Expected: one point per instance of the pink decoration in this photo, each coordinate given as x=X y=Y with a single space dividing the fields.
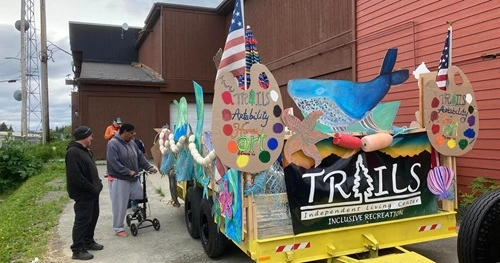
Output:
x=439 y=180
x=347 y=141
x=226 y=200
x=304 y=137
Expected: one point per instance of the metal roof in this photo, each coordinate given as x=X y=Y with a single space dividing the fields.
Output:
x=134 y=72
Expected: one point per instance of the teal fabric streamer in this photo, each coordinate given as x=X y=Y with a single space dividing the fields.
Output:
x=234 y=225
x=184 y=165
x=167 y=163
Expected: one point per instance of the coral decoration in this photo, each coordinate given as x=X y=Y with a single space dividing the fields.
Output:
x=226 y=200
x=304 y=137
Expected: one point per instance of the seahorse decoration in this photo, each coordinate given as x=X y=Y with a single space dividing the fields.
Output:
x=184 y=168
x=181 y=126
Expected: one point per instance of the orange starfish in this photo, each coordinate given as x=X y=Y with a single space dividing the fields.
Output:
x=304 y=137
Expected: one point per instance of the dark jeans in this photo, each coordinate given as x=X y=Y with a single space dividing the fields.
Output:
x=86 y=215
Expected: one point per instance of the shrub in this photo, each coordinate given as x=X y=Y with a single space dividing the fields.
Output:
x=53 y=151
x=17 y=164
x=478 y=186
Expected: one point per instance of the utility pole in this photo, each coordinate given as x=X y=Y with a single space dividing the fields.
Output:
x=24 y=91
x=45 y=88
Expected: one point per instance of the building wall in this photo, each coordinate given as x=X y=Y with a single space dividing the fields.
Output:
x=191 y=39
x=290 y=43
x=303 y=39
x=418 y=29
x=142 y=106
x=150 y=51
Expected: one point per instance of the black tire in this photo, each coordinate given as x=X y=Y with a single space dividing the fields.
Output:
x=156 y=224
x=213 y=241
x=141 y=214
x=479 y=234
x=139 y=217
x=128 y=219
x=192 y=211
x=134 y=229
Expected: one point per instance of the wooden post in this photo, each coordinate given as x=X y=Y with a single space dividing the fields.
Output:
x=449 y=161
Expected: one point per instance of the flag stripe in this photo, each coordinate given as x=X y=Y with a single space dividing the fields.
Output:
x=231 y=61
x=442 y=75
x=233 y=57
x=235 y=50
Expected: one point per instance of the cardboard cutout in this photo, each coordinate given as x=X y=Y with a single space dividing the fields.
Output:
x=345 y=102
x=247 y=130
x=450 y=116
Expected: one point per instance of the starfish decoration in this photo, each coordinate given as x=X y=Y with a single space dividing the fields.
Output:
x=304 y=137
x=226 y=200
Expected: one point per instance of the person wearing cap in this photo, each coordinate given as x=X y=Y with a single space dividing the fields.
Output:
x=112 y=129
x=124 y=161
x=83 y=186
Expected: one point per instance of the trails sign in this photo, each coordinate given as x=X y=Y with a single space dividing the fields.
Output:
x=363 y=188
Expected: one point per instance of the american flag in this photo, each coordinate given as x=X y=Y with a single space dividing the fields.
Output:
x=233 y=57
x=442 y=75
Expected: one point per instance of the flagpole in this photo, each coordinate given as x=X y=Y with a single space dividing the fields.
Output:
x=450 y=25
x=244 y=37
x=450 y=161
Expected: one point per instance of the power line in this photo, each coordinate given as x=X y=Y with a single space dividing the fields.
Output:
x=59 y=48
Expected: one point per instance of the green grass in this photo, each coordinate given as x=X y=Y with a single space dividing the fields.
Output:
x=160 y=191
x=28 y=215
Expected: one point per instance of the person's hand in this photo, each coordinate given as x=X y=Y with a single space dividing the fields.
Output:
x=133 y=173
x=153 y=170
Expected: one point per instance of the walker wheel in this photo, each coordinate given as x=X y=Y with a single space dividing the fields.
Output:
x=156 y=224
x=128 y=219
x=134 y=229
x=139 y=217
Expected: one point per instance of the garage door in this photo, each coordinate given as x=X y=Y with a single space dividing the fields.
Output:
x=192 y=118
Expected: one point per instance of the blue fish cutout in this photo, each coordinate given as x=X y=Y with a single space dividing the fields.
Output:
x=345 y=102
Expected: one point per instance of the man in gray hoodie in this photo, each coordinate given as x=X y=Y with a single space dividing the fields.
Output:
x=124 y=161
x=84 y=186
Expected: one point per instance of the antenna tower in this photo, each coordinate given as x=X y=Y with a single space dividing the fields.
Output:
x=33 y=105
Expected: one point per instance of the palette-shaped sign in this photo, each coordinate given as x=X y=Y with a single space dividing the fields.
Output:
x=450 y=116
x=247 y=130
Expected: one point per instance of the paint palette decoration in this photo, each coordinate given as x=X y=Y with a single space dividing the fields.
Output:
x=247 y=130
x=450 y=116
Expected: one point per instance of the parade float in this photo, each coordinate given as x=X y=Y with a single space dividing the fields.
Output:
x=336 y=181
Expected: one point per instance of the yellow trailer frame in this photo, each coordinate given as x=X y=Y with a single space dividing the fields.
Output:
x=374 y=242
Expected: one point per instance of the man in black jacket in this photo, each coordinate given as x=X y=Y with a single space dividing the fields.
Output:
x=84 y=186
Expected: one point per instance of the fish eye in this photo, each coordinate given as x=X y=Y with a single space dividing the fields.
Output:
x=320 y=91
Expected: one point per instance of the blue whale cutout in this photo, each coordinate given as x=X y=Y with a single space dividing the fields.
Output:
x=345 y=102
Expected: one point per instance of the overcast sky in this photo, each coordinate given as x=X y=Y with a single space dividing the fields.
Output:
x=58 y=14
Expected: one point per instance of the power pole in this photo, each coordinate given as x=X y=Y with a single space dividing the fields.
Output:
x=24 y=90
x=45 y=85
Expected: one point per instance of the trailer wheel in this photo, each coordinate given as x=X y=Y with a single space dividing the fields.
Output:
x=479 y=234
x=192 y=211
x=213 y=241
